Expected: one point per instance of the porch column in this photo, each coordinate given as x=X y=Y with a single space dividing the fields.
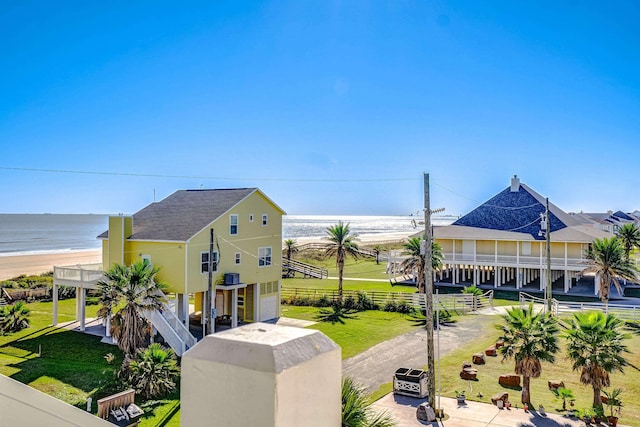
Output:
x=542 y=284
x=82 y=308
x=55 y=304
x=567 y=281
x=256 y=302
x=234 y=308
x=496 y=274
x=183 y=308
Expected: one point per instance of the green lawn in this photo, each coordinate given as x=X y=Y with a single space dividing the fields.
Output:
x=71 y=367
x=367 y=329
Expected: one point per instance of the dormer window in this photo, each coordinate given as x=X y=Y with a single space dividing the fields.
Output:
x=233 y=224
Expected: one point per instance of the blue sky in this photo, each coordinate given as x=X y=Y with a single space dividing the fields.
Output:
x=330 y=107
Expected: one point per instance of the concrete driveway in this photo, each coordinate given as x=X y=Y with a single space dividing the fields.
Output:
x=470 y=414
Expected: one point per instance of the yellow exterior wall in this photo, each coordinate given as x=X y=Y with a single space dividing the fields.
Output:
x=250 y=237
x=507 y=248
x=485 y=247
x=574 y=250
x=169 y=256
x=446 y=245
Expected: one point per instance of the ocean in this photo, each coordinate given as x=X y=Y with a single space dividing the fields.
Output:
x=51 y=233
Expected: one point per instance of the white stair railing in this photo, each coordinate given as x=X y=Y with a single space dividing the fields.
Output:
x=174 y=332
x=166 y=330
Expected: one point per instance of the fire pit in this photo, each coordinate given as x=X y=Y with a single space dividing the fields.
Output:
x=410 y=382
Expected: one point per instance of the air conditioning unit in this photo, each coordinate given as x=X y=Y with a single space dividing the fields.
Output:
x=231 y=278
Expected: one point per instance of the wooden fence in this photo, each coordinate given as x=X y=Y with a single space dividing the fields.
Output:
x=459 y=303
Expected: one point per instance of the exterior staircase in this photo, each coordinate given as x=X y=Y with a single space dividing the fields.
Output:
x=174 y=332
x=291 y=266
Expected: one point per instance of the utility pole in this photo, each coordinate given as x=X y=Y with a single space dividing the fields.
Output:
x=428 y=290
x=549 y=284
x=209 y=304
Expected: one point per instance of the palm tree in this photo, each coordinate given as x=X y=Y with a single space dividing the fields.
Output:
x=135 y=291
x=607 y=260
x=291 y=247
x=529 y=338
x=415 y=263
x=14 y=318
x=341 y=244
x=563 y=394
x=376 y=250
x=356 y=408
x=154 y=371
x=595 y=346
x=629 y=235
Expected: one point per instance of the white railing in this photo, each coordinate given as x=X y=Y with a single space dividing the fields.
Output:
x=622 y=311
x=524 y=260
x=88 y=275
x=167 y=331
x=174 y=332
x=464 y=303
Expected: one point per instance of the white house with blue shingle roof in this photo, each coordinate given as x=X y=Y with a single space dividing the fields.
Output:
x=500 y=243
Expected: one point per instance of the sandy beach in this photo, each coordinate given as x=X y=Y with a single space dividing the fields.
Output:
x=14 y=265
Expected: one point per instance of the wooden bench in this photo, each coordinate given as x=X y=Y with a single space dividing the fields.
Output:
x=118 y=400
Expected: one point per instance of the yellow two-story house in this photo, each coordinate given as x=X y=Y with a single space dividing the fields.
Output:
x=503 y=243
x=240 y=227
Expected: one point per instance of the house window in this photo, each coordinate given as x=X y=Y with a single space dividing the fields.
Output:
x=237 y=258
x=264 y=219
x=250 y=217
x=204 y=262
x=264 y=257
x=233 y=224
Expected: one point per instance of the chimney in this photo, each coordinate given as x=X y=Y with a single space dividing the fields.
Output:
x=515 y=184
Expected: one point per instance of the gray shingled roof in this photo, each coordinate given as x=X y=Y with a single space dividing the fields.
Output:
x=183 y=214
x=516 y=211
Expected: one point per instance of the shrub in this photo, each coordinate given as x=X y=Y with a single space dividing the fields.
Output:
x=365 y=303
x=349 y=303
x=14 y=318
x=153 y=373
x=323 y=301
x=473 y=289
x=391 y=306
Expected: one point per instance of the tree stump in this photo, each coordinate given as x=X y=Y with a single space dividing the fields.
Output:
x=499 y=344
x=491 y=351
x=469 y=374
x=555 y=384
x=509 y=380
x=478 y=359
x=466 y=365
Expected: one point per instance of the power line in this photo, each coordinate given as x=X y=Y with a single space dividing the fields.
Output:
x=221 y=178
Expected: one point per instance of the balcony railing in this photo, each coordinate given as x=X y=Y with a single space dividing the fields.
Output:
x=87 y=275
x=522 y=260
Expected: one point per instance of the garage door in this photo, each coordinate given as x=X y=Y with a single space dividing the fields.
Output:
x=268 y=307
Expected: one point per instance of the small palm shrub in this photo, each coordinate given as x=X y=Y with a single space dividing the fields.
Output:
x=14 y=318
x=349 y=303
x=365 y=303
x=323 y=301
x=153 y=373
x=356 y=408
x=336 y=314
x=473 y=290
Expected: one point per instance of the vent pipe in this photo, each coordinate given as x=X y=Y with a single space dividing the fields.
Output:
x=515 y=184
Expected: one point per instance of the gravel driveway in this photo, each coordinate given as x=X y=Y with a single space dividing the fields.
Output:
x=376 y=366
